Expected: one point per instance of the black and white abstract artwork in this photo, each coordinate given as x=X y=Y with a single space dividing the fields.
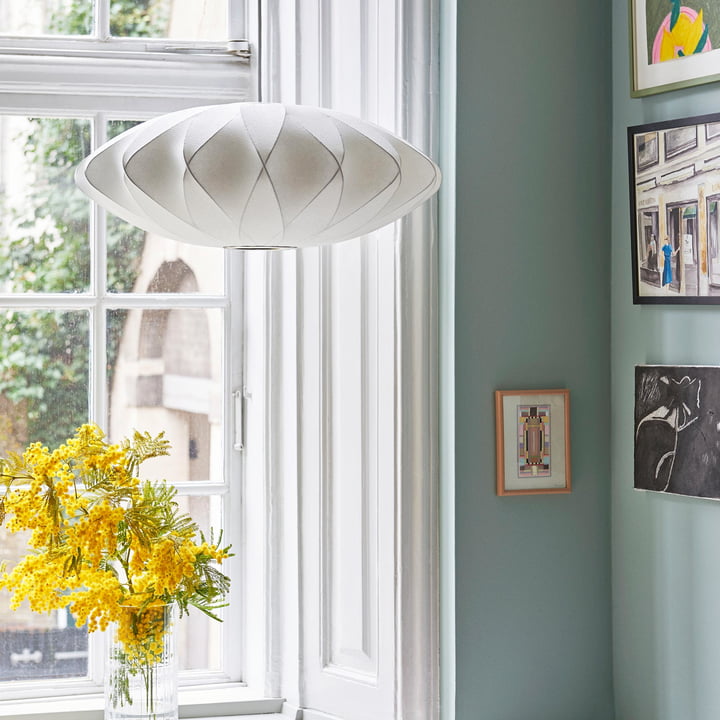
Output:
x=677 y=429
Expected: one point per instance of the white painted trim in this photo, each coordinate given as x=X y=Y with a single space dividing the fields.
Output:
x=217 y=703
x=418 y=391
x=447 y=155
x=256 y=555
x=208 y=79
x=316 y=715
x=296 y=38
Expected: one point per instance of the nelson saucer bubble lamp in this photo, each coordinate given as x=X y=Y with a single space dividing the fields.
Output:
x=252 y=175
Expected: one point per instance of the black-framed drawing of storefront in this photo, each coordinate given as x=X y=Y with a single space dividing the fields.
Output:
x=674 y=173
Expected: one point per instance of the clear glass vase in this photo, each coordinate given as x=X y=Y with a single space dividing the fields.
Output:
x=141 y=666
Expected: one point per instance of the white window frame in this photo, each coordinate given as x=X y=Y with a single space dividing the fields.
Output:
x=283 y=288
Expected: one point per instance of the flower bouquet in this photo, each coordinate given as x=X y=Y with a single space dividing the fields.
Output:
x=109 y=547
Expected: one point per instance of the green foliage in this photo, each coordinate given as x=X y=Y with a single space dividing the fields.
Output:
x=128 y=18
x=139 y=19
x=77 y=19
x=44 y=368
x=143 y=447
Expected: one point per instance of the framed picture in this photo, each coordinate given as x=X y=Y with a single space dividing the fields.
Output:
x=533 y=441
x=677 y=434
x=674 y=44
x=674 y=171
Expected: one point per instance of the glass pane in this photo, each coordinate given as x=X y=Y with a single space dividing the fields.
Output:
x=173 y=19
x=43 y=397
x=44 y=373
x=44 y=218
x=166 y=373
x=33 y=645
x=125 y=242
x=144 y=262
x=46 y=17
x=166 y=377
x=198 y=636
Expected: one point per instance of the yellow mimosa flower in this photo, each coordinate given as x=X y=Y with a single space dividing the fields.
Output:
x=102 y=543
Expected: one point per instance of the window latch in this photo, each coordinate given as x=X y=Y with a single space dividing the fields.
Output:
x=238 y=48
x=241 y=48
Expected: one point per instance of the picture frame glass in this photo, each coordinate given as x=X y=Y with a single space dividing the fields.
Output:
x=674 y=183
x=532 y=442
x=674 y=44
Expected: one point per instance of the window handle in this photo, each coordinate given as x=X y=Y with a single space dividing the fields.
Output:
x=239 y=419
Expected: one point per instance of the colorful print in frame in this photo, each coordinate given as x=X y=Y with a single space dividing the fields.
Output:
x=533 y=441
x=674 y=44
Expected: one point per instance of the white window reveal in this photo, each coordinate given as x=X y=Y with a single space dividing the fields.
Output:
x=353 y=397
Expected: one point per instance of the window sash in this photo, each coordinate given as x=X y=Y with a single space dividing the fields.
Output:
x=154 y=75
x=97 y=301
x=118 y=80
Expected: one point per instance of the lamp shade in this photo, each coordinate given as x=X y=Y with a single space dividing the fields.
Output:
x=258 y=175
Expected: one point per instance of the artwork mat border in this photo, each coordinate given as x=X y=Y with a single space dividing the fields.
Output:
x=698 y=121
x=506 y=438
x=653 y=78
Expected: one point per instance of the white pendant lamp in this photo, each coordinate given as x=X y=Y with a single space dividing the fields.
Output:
x=258 y=175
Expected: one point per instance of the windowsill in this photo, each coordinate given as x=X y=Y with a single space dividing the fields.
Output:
x=202 y=703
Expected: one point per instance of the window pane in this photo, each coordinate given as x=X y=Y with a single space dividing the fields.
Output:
x=45 y=219
x=198 y=636
x=46 y=17
x=173 y=19
x=125 y=242
x=44 y=373
x=167 y=266
x=33 y=645
x=144 y=262
x=141 y=262
x=43 y=397
x=167 y=377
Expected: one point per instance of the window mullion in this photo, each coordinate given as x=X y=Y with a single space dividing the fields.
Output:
x=98 y=355
x=102 y=19
x=237 y=16
x=98 y=289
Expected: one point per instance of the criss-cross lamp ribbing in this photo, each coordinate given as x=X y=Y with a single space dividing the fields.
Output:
x=258 y=175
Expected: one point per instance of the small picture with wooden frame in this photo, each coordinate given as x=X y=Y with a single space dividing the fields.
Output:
x=533 y=441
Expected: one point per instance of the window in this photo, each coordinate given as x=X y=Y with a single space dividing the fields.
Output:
x=99 y=320
x=103 y=321
x=331 y=360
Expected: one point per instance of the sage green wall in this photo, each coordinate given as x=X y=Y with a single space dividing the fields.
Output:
x=666 y=564
x=533 y=611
